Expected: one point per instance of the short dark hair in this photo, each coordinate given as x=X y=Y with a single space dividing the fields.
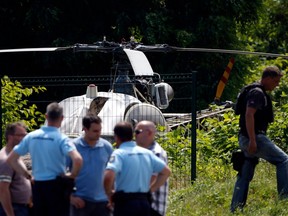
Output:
x=11 y=128
x=271 y=71
x=54 y=111
x=124 y=131
x=89 y=119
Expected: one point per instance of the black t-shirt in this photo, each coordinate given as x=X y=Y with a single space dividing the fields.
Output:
x=258 y=99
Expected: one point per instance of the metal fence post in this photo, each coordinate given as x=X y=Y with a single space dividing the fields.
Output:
x=193 y=128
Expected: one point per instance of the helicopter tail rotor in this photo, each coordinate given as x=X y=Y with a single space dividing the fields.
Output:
x=223 y=81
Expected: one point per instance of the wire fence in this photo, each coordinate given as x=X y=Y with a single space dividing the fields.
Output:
x=86 y=94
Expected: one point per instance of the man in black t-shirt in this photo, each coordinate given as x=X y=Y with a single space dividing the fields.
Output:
x=254 y=121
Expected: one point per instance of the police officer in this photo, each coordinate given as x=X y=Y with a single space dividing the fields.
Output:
x=131 y=168
x=48 y=149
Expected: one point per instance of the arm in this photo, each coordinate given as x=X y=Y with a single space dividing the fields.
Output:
x=249 y=116
x=109 y=178
x=153 y=179
x=5 y=198
x=161 y=179
x=20 y=168
x=77 y=162
x=77 y=202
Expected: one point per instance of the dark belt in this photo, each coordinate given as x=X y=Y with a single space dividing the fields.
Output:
x=256 y=132
x=21 y=204
x=121 y=196
x=260 y=132
x=18 y=204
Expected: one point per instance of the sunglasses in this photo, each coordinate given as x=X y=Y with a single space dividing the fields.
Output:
x=138 y=131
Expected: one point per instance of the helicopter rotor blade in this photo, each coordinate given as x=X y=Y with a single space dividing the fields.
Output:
x=155 y=48
x=99 y=47
x=230 y=52
x=167 y=48
x=107 y=47
x=95 y=48
x=44 y=49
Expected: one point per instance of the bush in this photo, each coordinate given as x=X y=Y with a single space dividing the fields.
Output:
x=15 y=106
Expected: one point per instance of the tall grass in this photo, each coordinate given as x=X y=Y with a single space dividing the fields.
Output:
x=207 y=196
x=212 y=190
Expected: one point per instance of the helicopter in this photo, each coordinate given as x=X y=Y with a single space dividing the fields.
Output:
x=141 y=96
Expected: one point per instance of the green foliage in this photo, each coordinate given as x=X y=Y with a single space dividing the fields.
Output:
x=15 y=106
x=207 y=196
x=185 y=23
x=211 y=193
x=278 y=130
x=269 y=31
x=218 y=136
x=177 y=144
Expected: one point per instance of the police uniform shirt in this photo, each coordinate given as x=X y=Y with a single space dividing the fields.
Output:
x=48 y=149
x=134 y=166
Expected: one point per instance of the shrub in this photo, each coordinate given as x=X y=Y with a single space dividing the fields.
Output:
x=15 y=106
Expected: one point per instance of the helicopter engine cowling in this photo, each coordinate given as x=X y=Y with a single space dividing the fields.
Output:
x=144 y=111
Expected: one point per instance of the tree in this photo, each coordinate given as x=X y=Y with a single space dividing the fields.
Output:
x=269 y=32
x=184 y=23
x=15 y=106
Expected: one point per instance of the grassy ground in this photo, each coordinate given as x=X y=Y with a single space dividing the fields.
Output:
x=212 y=195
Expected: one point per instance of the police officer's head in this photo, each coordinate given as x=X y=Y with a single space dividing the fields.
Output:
x=271 y=77
x=54 y=114
x=123 y=132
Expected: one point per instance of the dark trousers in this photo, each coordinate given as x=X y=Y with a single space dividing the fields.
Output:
x=91 y=209
x=131 y=204
x=19 y=210
x=154 y=213
x=49 y=199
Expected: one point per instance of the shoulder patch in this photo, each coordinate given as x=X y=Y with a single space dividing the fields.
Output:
x=112 y=159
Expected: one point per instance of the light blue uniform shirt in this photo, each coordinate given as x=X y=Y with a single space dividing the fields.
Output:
x=89 y=182
x=134 y=167
x=48 y=149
